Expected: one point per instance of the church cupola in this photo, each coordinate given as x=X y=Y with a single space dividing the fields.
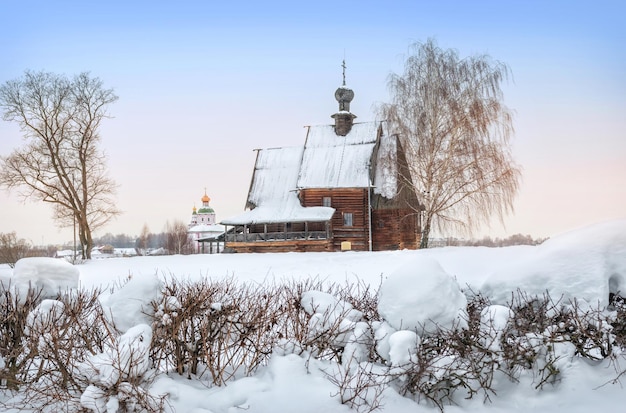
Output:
x=343 y=118
x=204 y=215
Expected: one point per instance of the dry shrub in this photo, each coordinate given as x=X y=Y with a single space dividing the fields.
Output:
x=215 y=327
x=14 y=350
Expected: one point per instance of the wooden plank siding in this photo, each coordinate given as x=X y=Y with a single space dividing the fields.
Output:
x=344 y=200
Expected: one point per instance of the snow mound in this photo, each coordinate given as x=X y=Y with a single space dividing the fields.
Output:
x=51 y=275
x=420 y=296
x=403 y=347
x=493 y=322
x=329 y=313
x=586 y=264
x=130 y=305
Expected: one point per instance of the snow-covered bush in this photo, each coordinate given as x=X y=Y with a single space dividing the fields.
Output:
x=65 y=350
x=445 y=367
x=117 y=374
x=217 y=328
x=332 y=322
x=410 y=299
x=544 y=335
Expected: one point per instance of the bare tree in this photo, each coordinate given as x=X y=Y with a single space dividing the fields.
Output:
x=144 y=240
x=61 y=162
x=455 y=129
x=177 y=237
x=12 y=248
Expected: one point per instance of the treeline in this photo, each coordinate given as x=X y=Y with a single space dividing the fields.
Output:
x=174 y=239
x=516 y=239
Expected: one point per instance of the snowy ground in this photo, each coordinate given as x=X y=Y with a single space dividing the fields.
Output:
x=585 y=264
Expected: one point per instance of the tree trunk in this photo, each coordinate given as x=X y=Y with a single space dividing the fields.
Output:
x=425 y=233
x=86 y=240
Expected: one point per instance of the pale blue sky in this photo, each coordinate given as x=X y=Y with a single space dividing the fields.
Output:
x=202 y=84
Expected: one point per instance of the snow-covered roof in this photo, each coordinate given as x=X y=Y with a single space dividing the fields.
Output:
x=273 y=191
x=202 y=228
x=332 y=161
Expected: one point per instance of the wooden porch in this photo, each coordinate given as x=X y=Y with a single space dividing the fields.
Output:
x=284 y=237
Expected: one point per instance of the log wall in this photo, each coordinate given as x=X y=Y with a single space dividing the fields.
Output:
x=344 y=200
x=394 y=229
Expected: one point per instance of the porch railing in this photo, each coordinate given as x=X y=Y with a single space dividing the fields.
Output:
x=276 y=236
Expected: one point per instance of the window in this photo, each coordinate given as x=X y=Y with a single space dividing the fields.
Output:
x=326 y=201
x=347 y=219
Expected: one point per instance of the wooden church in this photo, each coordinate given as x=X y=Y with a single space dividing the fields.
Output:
x=342 y=190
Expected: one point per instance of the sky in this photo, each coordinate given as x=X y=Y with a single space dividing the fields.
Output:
x=202 y=84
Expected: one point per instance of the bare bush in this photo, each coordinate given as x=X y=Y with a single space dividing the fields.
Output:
x=359 y=386
x=448 y=366
x=618 y=305
x=215 y=327
x=14 y=350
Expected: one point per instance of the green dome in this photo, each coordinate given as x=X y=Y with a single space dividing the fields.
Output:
x=206 y=211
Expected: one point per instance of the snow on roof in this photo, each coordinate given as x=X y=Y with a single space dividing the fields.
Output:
x=332 y=161
x=275 y=174
x=207 y=228
x=386 y=173
x=273 y=191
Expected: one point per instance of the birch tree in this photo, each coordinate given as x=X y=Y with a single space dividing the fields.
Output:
x=60 y=162
x=177 y=237
x=449 y=114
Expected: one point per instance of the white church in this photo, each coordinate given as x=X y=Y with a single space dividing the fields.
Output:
x=203 y=231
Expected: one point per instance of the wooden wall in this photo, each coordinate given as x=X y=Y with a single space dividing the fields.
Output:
x=394 y=229
x=351 y=200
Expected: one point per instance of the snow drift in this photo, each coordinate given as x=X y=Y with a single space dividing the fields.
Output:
x=585 y=264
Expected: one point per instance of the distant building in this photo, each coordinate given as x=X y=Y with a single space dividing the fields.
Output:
x=203 y=231
x=342 y=190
